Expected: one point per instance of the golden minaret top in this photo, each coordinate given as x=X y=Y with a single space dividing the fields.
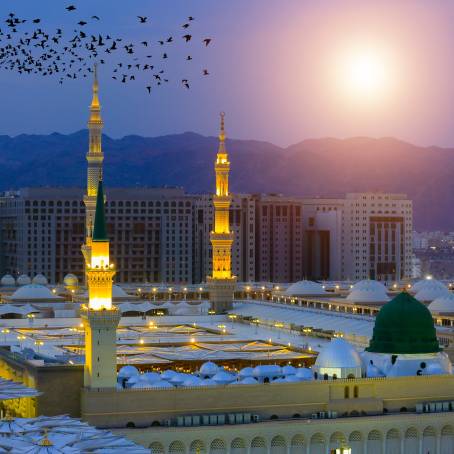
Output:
x=95 y=107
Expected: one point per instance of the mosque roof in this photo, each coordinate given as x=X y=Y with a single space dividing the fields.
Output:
x=404 y=325
x=430 y=290
x=23 y=279
x=33 y=292
x=443 y=304
x=40 y=279
x=303 y=288
x=60 y=434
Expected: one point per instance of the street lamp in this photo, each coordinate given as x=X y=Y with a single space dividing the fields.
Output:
x=21 y=338
x=200 y=294
x=5 y=331
x=154 y=293
x=39 y=344
x=170 y=293
x=248 y=289
x=185 y=290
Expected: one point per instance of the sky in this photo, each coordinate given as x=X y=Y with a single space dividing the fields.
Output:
x=282 y=70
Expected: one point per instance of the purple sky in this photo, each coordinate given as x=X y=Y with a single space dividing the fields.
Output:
x=273 y=70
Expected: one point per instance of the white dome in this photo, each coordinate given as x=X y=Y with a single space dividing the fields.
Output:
x=368 y=291
x=289 y=370
x=417 y=286
x=23 y=279
x=118 y=292
x=8 y=280
x=70 y=280
x=268 y=371
x=40 y=279
x=303 y=288
x=192 y=381
x=443 y=304
x=248 y=381
x=246 y=372
x=208 y=369
x=33 y=292
x=127 y=372
x=223 y=377
x=338 y=353
x=431 y=290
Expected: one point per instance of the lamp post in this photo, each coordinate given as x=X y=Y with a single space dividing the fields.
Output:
x=185 y=291
x=5 y=331
x=248 y=289
x=154 y=293
x=21 y=338
x=200 y=293
x=39 y=344
x=170 y=293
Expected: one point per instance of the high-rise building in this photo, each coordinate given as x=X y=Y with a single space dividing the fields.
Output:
x=150 y=230
x=363 y=236
x=221 y=282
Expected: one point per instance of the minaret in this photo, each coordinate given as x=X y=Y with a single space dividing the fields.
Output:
x=221 y=283
x=100 y=318
x=95 y=158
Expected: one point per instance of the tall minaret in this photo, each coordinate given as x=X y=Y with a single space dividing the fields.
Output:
x=95 y=158
x=100 y=318
x=221 y=283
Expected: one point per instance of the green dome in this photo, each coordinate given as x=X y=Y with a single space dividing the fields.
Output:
x=404 y=325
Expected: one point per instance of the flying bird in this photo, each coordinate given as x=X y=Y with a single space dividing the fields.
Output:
x=70 y=8
x=142 y=19
x=207 y=41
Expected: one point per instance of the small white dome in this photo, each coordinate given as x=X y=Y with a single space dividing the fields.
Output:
x=223 y=377
x=246 y=372
x=303 y=288
x=368 y=291
x=192 y=381
x=127 y=372
x=8 y=281
x=32 y=292
x=338 y=354
x=168 y=374
x=70 y=280
x=208 y=369
x=443 y=304
x=40 y=279
x=248 y=381
x=417 y=286
x=267 y=371
x=289 y=370
x=431 y=290
x=23 y=279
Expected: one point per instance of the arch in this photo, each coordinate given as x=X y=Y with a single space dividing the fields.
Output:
x=156 y=448
x=217 y=446
x=317 y=444
x=336 y=440
x=393 y=441
x=447 y=440
x=197 y=447
x=374 y=442
x=346 y=392
x=177 y=447
x=278 y=445
x=429 y=439
x=297 y=444
x=355 y=441
x=356 y=391
x=411 y=440
x=238 y=446
x=258 y=445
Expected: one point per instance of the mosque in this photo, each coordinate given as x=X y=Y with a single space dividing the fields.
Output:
x=396 y=395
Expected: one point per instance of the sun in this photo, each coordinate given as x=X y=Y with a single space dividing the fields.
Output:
x=365 y=75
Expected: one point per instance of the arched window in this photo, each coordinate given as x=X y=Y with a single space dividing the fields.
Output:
x=346 y=392
x=355 y=392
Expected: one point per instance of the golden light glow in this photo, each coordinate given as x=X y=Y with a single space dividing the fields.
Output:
x=98 y=304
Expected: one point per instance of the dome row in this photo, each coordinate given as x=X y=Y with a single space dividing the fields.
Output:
x=8 y=281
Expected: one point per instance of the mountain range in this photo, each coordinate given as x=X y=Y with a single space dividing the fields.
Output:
x=315 y=167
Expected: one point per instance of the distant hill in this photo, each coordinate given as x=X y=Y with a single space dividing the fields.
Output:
x=312 y=167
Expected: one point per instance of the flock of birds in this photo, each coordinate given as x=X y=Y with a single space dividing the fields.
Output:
x=33 y=50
